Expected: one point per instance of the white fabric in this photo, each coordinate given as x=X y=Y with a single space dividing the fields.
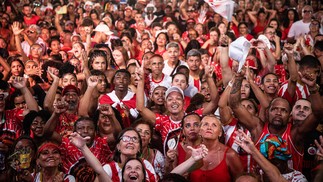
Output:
x=168 y=70
x=298 y=28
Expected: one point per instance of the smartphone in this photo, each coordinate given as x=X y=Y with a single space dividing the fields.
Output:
x=62 y=10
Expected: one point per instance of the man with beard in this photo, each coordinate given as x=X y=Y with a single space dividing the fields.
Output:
x=70 y=96
x=121 y=98
x=277 y=117
x=29 y=18
x=71 y=155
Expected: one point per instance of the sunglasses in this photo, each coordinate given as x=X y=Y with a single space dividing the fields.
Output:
x=30 y=31
x=307 y=11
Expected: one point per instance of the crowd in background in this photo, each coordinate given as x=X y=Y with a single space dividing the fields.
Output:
x=161 y=90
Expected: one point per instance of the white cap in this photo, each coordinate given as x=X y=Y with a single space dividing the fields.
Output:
x=152 y=6
x=238 y=51
x=103 y=28
x=174 y=89
x=88 y=3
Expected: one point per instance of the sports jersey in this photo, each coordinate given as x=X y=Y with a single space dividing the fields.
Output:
x=300 y=92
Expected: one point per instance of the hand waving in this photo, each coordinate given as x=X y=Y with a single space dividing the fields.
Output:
x=15 y=28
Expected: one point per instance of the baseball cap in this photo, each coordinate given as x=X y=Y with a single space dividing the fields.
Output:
x=70 y=88
x=103 y=28
x=174 y=89
x=69 y=22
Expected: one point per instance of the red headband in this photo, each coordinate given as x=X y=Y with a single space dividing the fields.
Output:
x=47 y=145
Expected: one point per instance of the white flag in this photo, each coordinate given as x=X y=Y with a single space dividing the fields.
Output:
x=222 y=7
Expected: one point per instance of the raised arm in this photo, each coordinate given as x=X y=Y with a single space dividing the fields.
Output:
x=252 y=16
x=292 y=68
x=225 y=110
x=16 y=33
x=146 y=113
x=211 y=106
x=50 y=126
x=182 y=10
x=252 y=123
x=20 y=83
x=93 y=162
x=87 y=100
x=270 y=170
x=224 y=62
x=50 y=96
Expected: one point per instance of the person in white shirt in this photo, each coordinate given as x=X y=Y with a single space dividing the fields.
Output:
x=302 y=26
x=173 y=59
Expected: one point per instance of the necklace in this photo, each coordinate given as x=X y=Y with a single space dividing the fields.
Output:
x=146 y=156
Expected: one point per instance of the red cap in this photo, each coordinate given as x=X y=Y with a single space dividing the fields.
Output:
x=70 y=88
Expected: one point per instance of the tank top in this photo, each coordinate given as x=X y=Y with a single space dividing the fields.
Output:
x=296 y=161
x=219 y=174
x=181 y=154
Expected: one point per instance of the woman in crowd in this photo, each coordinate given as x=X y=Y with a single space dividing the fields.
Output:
x=129 y=145
x=291 y=17
x=121 y=57
x=221 y=163
x=49 y=164
x=160 y=43
x=154 y=156
x=33 y=125
x=98 y=60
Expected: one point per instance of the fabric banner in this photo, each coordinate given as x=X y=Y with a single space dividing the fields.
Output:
x=222 y=7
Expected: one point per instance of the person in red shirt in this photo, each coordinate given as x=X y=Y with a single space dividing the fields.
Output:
x=29 y=18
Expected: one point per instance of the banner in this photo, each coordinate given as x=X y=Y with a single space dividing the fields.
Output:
x=223 y=7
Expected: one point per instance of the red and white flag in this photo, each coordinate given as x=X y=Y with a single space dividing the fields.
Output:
x=222 y=7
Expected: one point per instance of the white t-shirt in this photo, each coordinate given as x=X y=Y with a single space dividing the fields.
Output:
x=168 y=70
x=299 y=28
x=295 y=176
x=26 y=47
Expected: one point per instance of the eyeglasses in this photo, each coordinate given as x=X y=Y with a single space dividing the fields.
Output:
x=126 y=138
x=271 y=33
x=307 y=11
x=314 y=25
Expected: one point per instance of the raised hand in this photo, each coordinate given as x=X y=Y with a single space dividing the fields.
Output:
x=198 y=153
x=308 y=79
x=208 y=69
x=289 y=49
x=140 y=70
x=244 y=141
x=77 y=140
x=18 y=82
x=106 y=109
x=15 y=28
x=60 y=106
x=52 y=74
x=248 y=74
x=92 y=81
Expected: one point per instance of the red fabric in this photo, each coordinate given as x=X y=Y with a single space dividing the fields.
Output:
x=297 y=157
x=66 y=123
x=257 y=29
x=181 y=154
x=219 y=173
x=197 y=84
x=71 y=154
x=34 y=19
x=187 y=101
x=12 y=126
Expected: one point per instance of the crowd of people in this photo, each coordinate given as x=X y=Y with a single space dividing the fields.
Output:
x=161 y=90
